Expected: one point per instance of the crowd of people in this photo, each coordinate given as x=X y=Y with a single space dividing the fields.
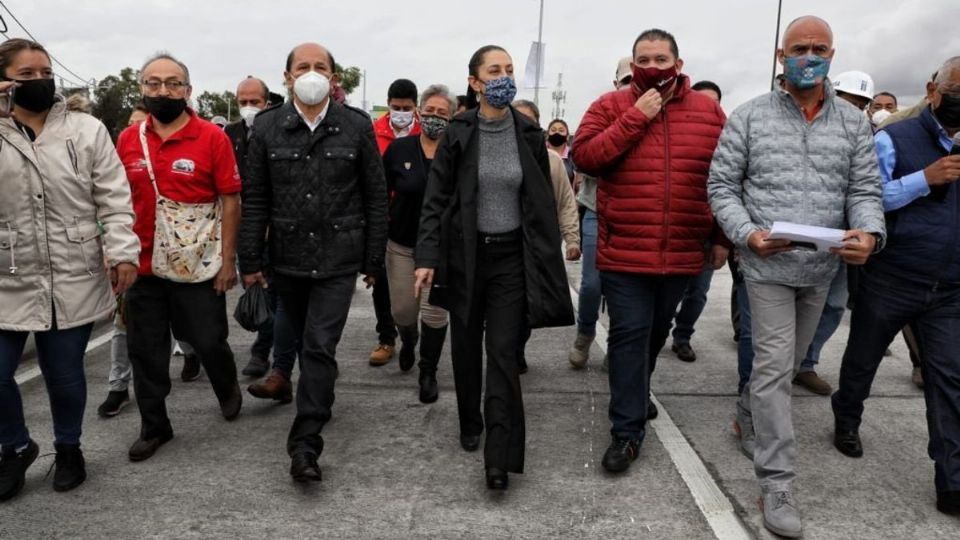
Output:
x=459 y=212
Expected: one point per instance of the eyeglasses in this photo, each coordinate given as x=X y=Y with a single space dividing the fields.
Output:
x=172 y=85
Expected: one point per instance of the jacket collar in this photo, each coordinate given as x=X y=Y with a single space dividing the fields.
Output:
x=466 y=123
x=330 y=123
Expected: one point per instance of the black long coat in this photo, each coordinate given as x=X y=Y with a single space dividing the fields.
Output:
x=447 y=241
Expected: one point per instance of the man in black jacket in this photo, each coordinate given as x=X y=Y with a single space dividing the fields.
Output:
x=314 y=176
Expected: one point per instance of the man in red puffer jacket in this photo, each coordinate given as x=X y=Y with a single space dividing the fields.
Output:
x=650 y=145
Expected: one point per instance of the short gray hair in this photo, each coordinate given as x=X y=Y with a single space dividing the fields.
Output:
x=441 y=90
x=527 y=104
x=943 y=75
x=164 y=55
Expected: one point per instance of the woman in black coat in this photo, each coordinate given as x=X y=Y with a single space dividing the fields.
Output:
x=489 y=250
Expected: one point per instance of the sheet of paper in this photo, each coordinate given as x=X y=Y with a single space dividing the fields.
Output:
x=820 y=238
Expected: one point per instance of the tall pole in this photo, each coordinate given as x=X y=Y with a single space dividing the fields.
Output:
x=365 y=90
x=536 y=85
x=776 y=42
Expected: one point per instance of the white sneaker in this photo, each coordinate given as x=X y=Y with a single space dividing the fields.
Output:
x=780 y=514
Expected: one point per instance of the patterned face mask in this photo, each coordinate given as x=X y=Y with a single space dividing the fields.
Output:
x=500 y=92
x=433 y=126
x=807 y=71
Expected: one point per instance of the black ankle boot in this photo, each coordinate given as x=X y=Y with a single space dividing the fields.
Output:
x=428 y=387
x=431 y=345
x=497 y=479
x=70 y=470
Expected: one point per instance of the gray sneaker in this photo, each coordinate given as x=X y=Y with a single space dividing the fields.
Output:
x=743 y=427
x=580 y=352
x=781 y=515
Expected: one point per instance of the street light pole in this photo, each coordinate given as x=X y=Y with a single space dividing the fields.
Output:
x=776 y=41
x=536 y=84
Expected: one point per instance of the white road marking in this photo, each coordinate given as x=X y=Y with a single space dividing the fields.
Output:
x=713 y=504
x=33 y=372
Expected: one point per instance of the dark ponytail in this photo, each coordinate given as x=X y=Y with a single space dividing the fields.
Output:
x=473 y=100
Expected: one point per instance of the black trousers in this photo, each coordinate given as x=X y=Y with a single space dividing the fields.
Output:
x=386 y=327
x=495 y=320
x=198 y=316
x=317 y=310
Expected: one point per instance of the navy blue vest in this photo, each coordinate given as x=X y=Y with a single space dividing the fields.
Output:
x=923 y=237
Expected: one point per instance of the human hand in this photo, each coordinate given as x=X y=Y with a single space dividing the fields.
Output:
x=718 y=256
x=649 y=103
x=424 y=281
x=226 y=278
x=122 y=277
x=943 y=171
x=857 y=247
x=759 y=244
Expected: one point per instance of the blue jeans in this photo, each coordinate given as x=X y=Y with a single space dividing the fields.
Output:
x=286 y=343
x=745 y=345
x=588 y=308
x=641 y=310
x=830 y=320
x=60 y=356
x=885 y=303
x=691 y=306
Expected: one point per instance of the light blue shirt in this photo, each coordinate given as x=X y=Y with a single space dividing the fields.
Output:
x=899 y=192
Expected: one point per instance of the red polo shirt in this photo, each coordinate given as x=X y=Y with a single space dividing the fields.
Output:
x=194 y=165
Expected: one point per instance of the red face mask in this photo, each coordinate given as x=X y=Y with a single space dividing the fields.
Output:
x=653 y=77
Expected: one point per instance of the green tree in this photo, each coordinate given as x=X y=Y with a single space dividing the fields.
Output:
x=115 y=97
x=223 y=104
x=349 y=77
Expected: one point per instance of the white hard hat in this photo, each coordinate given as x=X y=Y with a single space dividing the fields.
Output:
x=857 y=83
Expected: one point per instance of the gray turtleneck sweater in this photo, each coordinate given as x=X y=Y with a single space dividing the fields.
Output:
x=500 y=176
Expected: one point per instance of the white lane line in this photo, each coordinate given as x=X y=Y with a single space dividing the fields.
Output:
x=713 y=504
x=33 y=372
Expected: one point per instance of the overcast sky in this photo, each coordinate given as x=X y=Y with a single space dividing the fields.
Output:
x=899 y=42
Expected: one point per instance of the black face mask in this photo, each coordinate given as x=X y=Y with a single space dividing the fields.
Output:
x=165 y=109
x=557 y=139
x=35 y=95
x=948 y=113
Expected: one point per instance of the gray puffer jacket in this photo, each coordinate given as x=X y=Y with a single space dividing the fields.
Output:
x=771 y=165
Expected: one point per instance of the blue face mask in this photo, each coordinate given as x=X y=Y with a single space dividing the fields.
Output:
x=805 y=72
x=500 y=92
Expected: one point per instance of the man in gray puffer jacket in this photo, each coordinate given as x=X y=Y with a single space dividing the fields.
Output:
x=798 y=155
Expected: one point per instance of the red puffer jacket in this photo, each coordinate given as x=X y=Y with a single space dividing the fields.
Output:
x=652 y=207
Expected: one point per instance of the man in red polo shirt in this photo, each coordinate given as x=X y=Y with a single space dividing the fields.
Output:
x=193 y=162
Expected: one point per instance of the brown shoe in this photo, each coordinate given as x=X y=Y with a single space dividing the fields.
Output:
x=381 y=355
x=917 y=377
x=276 y=386
x=812 y=382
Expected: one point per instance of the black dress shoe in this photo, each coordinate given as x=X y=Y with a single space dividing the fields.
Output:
x=191 y=368
x=848 y=443
x=497 y=479
x=428 y=388
x=948 y=502
x=145 y=448
x=652 y=411
x=304 y=468
x=620 y=454
x=70 y=469
x=470 y=443
x=257 y=367
x=231 y=407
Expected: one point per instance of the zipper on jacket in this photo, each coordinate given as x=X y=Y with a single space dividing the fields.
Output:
x=12 y=239
x=72 y=150
x=666 y=209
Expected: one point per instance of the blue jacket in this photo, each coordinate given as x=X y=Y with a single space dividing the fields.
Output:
x=923 y=237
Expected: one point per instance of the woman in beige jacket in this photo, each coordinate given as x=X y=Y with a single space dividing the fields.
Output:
x=64 y=208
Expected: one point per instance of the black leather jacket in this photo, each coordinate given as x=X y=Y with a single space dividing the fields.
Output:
x=322 y=194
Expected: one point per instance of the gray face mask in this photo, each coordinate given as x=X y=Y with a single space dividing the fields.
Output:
x=433 y=126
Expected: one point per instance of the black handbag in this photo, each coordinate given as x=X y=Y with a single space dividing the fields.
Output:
x=253 y=309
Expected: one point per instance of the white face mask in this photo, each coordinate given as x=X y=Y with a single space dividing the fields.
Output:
x=247 y=113
x=311 y=88
x=880 y=116
x=401 y=119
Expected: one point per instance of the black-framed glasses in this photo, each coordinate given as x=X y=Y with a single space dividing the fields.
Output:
x=172 y=85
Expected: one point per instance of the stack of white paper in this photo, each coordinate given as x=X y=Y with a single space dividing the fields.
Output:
x=820 y=238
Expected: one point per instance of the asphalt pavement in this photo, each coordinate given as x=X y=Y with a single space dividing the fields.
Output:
x=393 y=468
